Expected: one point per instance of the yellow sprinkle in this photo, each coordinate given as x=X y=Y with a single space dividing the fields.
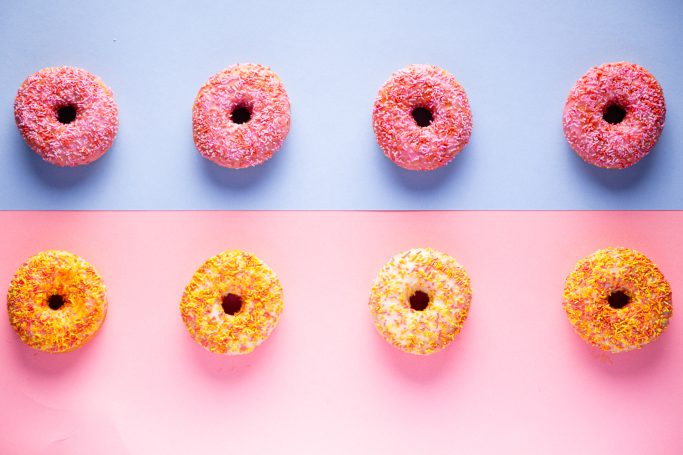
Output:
x=232 y=303
x=401 y=320
x=617 y=299
x=56 y=301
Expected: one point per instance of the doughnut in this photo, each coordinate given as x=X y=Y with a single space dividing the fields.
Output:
x=420 y=300
x=56 y=301
x=422 y=117
x=66 y=115
x=614 y=115
x=240 y=117
x=617 y=299
x=232 y=303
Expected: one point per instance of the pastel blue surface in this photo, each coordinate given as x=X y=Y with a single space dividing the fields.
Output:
x=516 y=59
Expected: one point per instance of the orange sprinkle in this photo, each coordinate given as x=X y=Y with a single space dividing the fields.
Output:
x=232 y=303
x=56 y=301
x=617 y=299
x=420 y=300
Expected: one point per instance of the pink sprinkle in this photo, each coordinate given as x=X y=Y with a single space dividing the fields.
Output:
x=240 y=117
x=66 y=115
x=422 y=117
x=614 y=115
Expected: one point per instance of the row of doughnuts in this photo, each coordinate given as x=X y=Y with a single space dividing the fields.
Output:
x=612 y=118
x=616 y=299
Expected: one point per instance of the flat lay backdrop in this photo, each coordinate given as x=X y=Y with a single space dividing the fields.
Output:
x=516 y=59
x=516 y=380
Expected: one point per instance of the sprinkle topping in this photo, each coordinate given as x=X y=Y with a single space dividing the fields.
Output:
x=66 y=115
x=232 y=303
x=422 y=117
x=240 y=117
x=420 y=300
x=56 y=301
x=617 y=299
x=614 y=115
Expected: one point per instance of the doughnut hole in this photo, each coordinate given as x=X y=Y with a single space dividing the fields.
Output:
x=240 y=114
x=66 y=114
x=614 y=114
x=419 y=301
x=55 y=301
x=231 y=303
x=423 y=116
x=618 y=299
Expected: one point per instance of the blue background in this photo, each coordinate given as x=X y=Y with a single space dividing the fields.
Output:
x=517 y=61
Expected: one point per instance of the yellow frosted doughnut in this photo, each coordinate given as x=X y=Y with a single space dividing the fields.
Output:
x=56 y=301
x=420 y=300
x=617 y=299
x=232 y=303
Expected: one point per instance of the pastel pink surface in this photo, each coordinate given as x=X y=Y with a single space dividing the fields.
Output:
x=516 y=380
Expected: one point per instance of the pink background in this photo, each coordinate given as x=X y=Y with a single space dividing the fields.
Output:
x=516 y=380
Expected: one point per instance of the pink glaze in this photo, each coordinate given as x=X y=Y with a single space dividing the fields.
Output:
x=86 y=137
x=238 y=145
x=405 y=142
x=614 y=145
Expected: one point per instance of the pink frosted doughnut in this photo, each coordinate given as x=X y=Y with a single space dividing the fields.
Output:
x=240 y=117
x=422 y=117
x=66 y=115
x=614 y=115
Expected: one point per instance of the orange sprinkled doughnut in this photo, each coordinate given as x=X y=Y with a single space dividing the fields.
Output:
x=617 y=299
x=233 y=303
x=56 y=301
x=420 y=300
